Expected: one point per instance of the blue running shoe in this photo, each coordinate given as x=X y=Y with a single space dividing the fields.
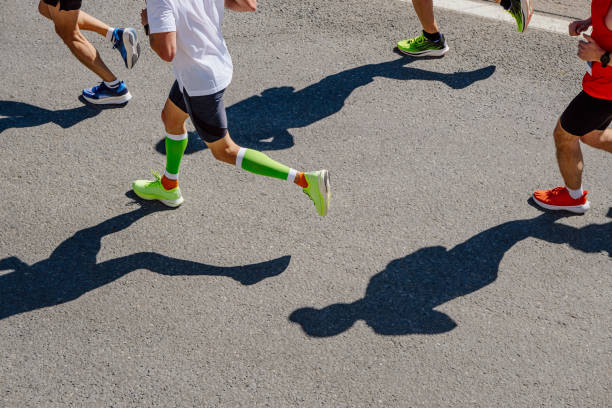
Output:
x=126 y=41
x=103 y=95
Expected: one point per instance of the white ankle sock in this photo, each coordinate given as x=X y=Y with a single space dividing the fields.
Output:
x=575 y=194
x=109 y=34
x=113 y=84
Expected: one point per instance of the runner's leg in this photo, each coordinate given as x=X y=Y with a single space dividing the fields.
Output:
x=425 y=12
x=569 y=157
x=599 y=139
x=66 y=26
x=176 y=142
x=86 y=22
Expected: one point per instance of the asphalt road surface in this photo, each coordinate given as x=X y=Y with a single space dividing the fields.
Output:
x=431 y=283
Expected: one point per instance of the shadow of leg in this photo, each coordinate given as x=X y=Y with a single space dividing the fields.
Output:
x=246 y=275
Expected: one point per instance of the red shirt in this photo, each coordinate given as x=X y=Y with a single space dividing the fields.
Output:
x=598 y=84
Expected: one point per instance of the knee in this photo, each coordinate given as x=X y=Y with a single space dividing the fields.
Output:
x=226 y=154
x=43 y=9
x=592 y=140
x=565 y=140
x=68 y=34
x=171 y=122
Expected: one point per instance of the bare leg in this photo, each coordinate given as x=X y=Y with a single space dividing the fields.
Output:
x=225 y=150
x=424 y=9
x=569 y=157
x=174 y=118
x=66 y=26
x=86 y=22
x=599 y=139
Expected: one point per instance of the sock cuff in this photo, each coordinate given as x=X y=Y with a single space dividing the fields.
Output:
x=109 y=34
x=176 y=137
x=240 y=156
x=575 y=194
x=170 y=176
x=291 y=176
x=113 y=84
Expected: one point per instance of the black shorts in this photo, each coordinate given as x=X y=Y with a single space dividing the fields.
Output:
x=65 y=4
x=585 y=114
x=206 y=112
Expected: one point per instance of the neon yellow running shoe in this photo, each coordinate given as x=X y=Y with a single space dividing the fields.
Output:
x=153 y=190
x=422 y=47
x=519 y=10
x=319 y=190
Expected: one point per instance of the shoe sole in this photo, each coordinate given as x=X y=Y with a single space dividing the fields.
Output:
x=427 y=53
x=132 y=48
x=324 y=189
x=111 y=100
x=527 y=13
x=576 y=209
x=169 y=203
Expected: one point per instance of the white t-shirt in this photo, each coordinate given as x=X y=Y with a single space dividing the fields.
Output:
x=202 y=64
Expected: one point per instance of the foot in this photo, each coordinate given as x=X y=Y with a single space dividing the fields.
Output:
x=103 y=95
x=125 y=40
x=560 y=199
x=153 y=190
x=520 y=10
x=319 y=190
x=422 y=47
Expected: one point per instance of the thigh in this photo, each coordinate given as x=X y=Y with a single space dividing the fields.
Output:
x=586 y=114
x=208 y=115
x=176 y=97
x=64 y=19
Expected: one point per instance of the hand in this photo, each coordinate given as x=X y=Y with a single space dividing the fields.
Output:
x=143 y=17
x=579 y=27
x=589 y=50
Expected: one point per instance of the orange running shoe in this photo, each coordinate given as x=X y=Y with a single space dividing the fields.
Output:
x=560 y=199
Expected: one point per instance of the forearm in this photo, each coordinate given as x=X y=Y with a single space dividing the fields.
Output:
x=241 y=5
x=164 y=45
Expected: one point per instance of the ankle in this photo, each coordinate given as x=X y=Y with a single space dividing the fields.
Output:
x=169 y=184
x=109 y=34
x=575 y=193
x=300 y=180
x=434 y=37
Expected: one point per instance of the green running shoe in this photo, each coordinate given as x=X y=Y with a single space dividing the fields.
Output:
x=422 y=47
x=520 y=15
x=319 y=190
x=153 y=190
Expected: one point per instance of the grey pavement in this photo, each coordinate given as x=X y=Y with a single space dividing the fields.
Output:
x=431 y=283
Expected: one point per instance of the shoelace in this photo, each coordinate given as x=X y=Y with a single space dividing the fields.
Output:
x=418 y=40
x=556 y=191
x=96 y=88
x=116 y=42
x=157 y=176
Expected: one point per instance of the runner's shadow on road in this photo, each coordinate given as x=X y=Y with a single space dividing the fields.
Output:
x=72 y=269
x=23 y=115
x=262 y=122
x=402 y=298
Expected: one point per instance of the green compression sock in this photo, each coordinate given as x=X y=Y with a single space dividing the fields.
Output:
x=258 y=163
x=175 y=148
